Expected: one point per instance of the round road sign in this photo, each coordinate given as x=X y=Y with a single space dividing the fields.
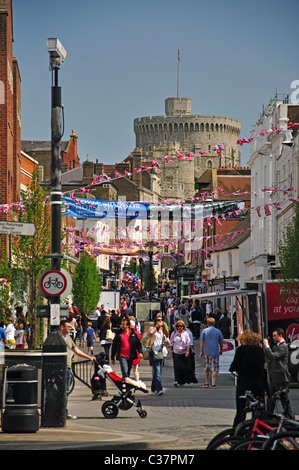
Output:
x=53 y=283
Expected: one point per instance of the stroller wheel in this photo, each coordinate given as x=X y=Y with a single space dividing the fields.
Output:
x=142 y=413
x=109 y=410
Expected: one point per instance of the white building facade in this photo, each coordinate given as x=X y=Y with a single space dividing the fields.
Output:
x=274 y=171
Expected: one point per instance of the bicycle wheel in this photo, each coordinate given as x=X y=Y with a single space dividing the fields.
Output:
x=250 y=443
x=226 y=433
x=244 y=429
x=225 y=443
x=72 y=384
x=285 y=440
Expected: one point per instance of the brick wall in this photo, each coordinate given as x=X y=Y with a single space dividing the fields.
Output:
x=10 y=112
x=70 y=154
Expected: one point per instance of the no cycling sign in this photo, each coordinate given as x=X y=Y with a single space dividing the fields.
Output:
x=53 y=283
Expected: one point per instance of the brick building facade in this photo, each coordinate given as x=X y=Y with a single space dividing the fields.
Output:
x=41 y=151
x=10 y=115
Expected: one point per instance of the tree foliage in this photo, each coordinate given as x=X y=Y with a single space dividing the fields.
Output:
x=87 y=284
x=5 y=282
x=288 y=252
x=28 y=253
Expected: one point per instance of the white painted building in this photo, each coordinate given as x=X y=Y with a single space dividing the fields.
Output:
x=274 y=169
x=231 y=259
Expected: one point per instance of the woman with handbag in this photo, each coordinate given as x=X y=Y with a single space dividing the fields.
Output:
x=157 y=353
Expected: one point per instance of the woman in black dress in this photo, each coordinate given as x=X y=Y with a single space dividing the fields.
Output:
x=249 y=364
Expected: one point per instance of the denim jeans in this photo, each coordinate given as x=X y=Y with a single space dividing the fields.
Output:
x=125 y=366
x=156 y=373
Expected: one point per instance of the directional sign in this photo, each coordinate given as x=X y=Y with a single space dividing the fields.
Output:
x=17 y=228
x=52 y=283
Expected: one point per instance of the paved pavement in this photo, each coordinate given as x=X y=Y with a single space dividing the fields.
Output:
x=184 y=418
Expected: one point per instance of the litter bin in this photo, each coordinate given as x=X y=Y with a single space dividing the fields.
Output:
x=20 y=399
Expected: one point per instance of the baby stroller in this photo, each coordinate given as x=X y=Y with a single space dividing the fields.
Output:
x=125 y=399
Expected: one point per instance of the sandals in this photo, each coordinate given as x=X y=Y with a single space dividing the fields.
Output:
x=205 y=386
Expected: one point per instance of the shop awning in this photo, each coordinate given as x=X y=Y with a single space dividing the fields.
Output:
x=218 y=295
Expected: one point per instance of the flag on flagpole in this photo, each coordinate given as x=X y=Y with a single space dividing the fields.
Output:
x=179 y=59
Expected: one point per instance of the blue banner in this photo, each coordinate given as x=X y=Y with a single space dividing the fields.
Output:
x=97 y=209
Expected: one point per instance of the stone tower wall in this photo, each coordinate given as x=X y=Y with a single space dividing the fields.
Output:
x=178 y=130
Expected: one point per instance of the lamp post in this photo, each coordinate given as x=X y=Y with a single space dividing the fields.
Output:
x=141 y=254
x=224 y=273
x=141 y=275
x=54 y=359
x=150 y=248
x=57 y=55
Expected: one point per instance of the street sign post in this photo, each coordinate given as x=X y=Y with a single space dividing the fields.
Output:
x=17 y=228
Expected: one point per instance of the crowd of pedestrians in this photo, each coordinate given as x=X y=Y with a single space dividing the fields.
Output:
x=15 y=331
x=172 y=332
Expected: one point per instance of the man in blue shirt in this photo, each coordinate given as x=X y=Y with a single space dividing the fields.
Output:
x=211 y=341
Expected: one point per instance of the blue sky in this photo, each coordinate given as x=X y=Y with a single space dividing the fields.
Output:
x=122 y=63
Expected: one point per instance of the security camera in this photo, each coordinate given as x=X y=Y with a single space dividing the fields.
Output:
x=57 y=52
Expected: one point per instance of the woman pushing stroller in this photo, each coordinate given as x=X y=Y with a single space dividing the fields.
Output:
x=125 y=346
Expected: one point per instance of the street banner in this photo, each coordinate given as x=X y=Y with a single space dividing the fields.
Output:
x=100 y=209
x=226 y=358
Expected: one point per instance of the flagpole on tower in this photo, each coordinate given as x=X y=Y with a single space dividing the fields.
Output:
x=178 y=95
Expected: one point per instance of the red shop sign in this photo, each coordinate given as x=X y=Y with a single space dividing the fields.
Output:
x=281 y=303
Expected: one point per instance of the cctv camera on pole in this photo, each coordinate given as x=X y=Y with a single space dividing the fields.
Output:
x=54 y=364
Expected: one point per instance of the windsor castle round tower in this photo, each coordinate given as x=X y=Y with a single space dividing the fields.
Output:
x=179 y=131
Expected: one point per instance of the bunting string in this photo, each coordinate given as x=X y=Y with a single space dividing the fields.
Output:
x=100 y=179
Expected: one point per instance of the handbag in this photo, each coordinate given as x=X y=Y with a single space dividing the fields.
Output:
x=147 y=340
x=146 y=354
x=110 y=335
x=158 y=356
x=164 y=351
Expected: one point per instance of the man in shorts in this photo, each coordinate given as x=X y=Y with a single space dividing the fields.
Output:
x=211 y=342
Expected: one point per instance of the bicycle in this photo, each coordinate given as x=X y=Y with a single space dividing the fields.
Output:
x=260 y=441
x=72 y=383
x=232 y=435
x=285 y=440
x=248 y=433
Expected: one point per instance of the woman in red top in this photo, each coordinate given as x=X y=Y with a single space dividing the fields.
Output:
x=125 y=346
